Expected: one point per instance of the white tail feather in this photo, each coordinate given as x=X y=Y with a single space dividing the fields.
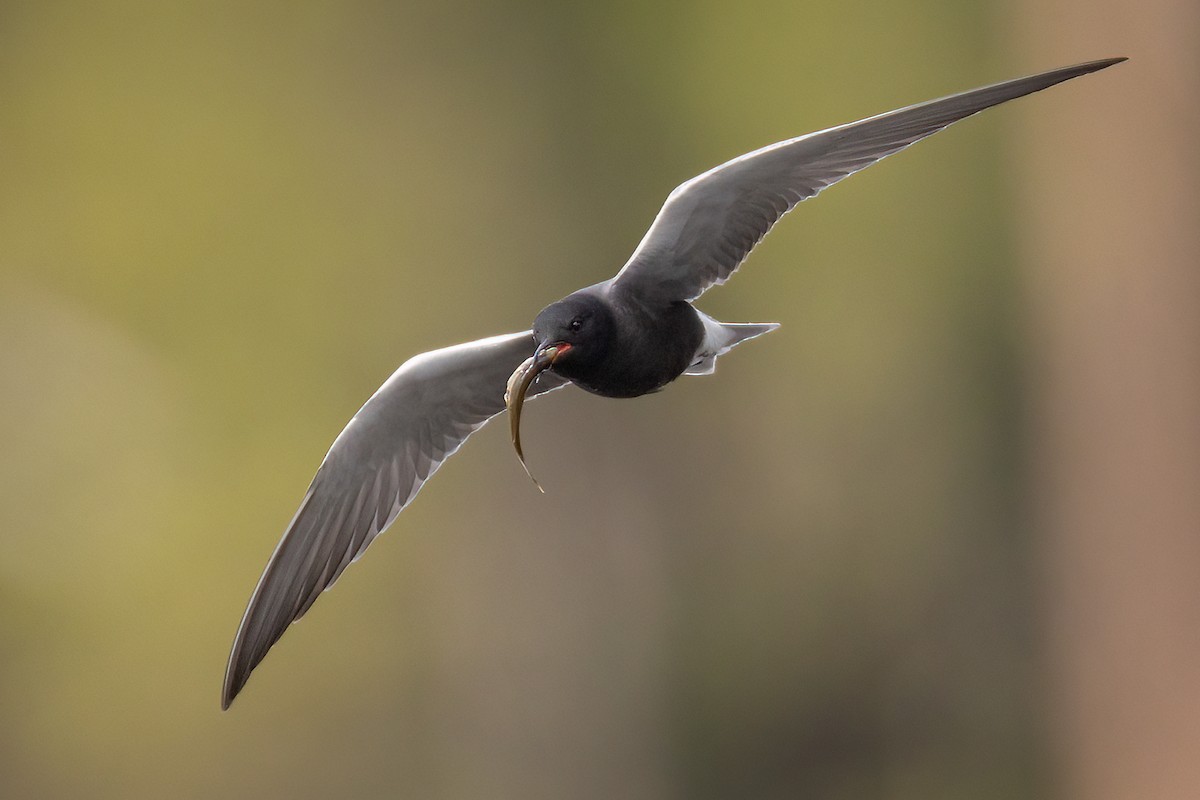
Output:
x=720 y=338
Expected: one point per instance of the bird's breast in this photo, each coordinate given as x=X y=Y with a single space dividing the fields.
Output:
x=650 y=349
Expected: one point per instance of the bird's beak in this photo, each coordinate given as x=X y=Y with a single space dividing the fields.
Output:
x=519 y=383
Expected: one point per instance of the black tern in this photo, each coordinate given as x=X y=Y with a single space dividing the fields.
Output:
x=623 y=337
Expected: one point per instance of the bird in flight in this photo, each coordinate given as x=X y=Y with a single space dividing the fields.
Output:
x=623 y=337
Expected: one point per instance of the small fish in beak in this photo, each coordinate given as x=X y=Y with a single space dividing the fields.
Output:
x=518 y=384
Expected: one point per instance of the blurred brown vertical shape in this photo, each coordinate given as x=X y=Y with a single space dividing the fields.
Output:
x=1110 y=215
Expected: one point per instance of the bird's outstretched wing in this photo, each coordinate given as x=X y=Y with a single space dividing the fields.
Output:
x=709 y=224
x=399 y=438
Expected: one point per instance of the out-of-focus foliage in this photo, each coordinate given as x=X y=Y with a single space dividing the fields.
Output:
x=224 y=224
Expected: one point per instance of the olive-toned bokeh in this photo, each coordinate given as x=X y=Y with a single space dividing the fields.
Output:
x=832 y=570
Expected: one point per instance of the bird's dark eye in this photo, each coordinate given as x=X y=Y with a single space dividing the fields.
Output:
x=576 y=323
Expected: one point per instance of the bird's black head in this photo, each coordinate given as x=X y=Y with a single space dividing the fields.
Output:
x=573 y=336
x=582 y=328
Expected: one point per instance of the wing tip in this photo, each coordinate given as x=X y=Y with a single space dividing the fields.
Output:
x=236 y=674
x=1095 y=66
x=1078 y=70
x=228 y=692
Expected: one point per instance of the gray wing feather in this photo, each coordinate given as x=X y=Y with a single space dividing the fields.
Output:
x=374 y=468
x=709 y=224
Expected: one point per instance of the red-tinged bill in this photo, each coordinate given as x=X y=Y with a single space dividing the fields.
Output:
x=518 y=385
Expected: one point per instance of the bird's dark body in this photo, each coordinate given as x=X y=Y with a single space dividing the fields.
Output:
x=626 y=347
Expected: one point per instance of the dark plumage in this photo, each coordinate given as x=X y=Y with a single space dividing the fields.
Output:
x=620 y=347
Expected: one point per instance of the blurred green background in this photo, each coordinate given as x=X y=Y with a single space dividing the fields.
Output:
x=820 y=573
